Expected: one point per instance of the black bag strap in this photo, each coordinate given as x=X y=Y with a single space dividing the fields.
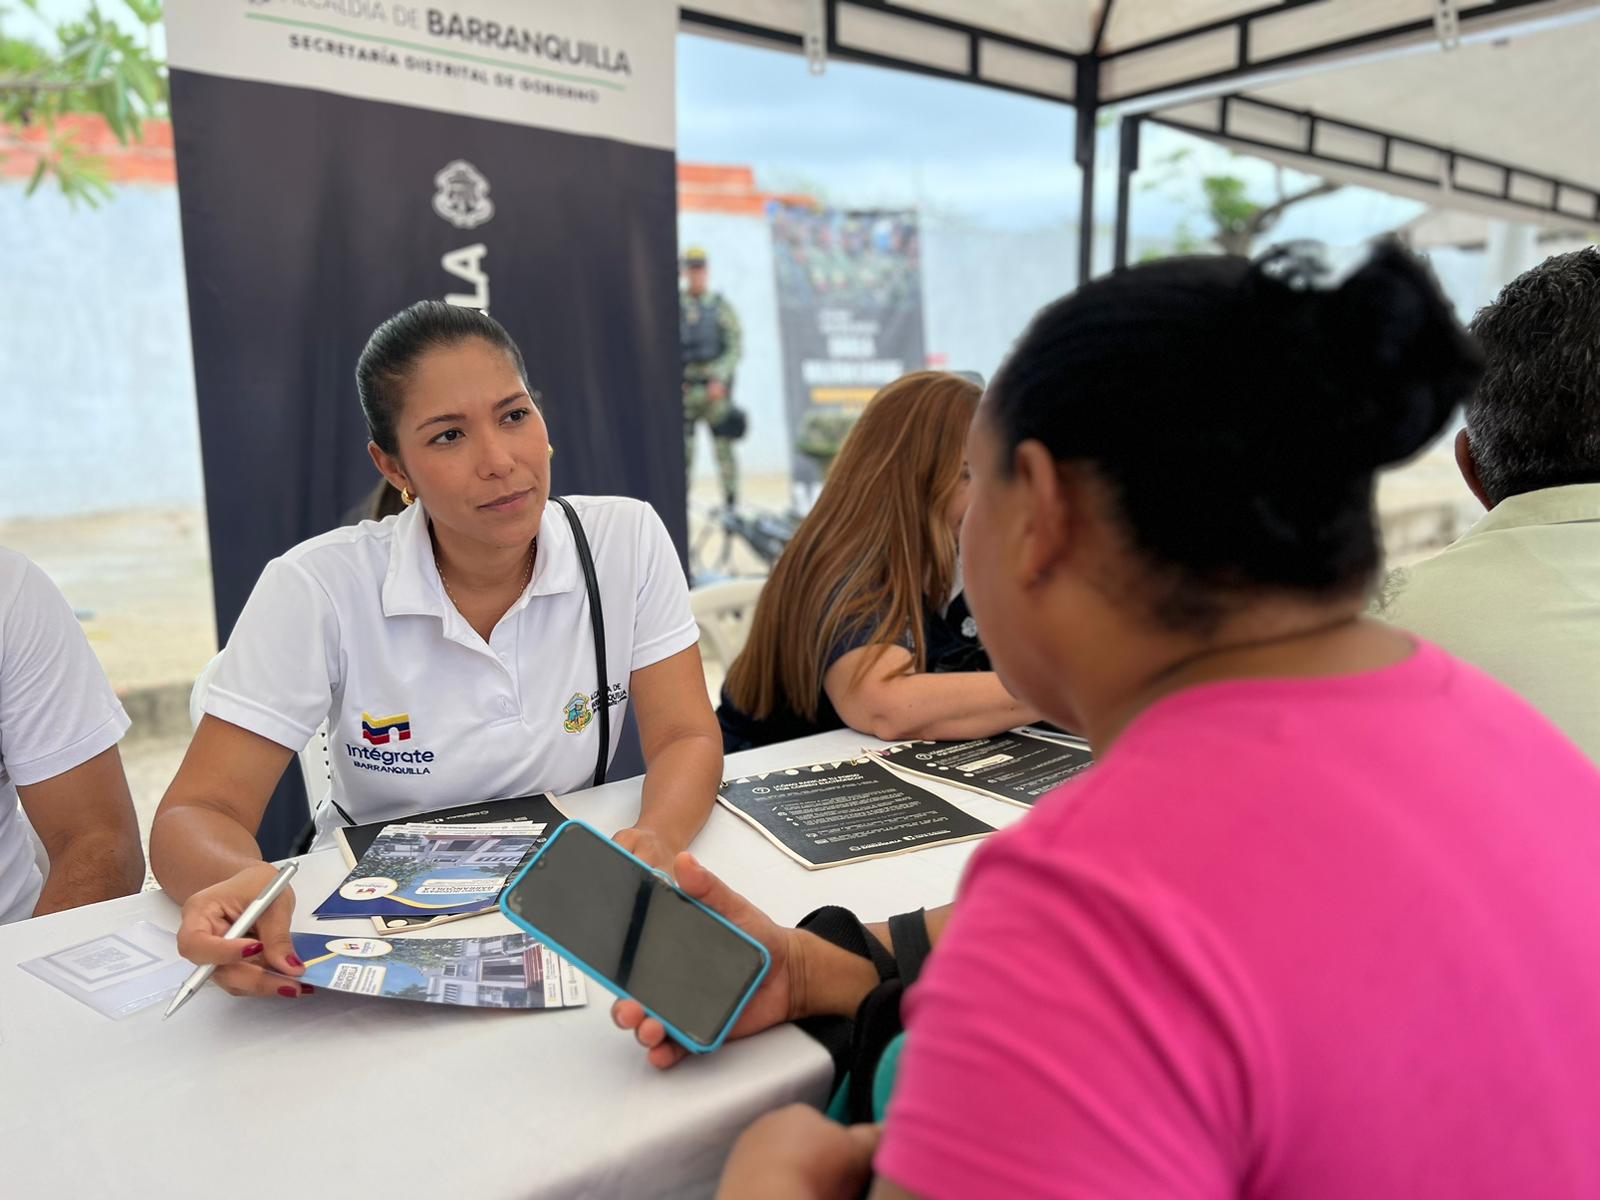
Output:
x=845 y=930
x=909 y=932
x=877 y=1023
x=856 y=1045
x=598 y=624
x=338 y=808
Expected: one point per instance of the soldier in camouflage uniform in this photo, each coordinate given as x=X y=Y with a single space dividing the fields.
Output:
x=708 y=330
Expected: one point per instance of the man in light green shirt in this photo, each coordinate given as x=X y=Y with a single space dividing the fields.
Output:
x=1518 y=595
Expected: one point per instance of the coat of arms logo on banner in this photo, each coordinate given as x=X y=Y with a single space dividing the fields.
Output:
x=463 y=195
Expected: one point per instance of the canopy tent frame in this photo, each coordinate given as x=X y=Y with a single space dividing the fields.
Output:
x=1310 y=123
x=1128 y=145
x=695 y=19
x=1233 y=53
x=1327 y=55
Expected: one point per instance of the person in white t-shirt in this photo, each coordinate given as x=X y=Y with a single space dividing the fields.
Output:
x=450 y=648
x=60 y=723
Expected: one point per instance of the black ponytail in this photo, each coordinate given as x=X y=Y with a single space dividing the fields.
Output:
x=1237 y=411
x=395 y=346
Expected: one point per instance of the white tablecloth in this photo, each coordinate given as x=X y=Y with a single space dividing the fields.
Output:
x=335 y=1095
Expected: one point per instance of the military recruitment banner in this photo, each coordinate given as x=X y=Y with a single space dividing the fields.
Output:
x=850 y=315
x=340 y=159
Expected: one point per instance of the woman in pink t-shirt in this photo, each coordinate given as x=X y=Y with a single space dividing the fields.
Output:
x=1321 y=920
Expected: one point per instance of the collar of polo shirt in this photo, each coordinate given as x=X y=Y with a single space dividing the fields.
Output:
x=412 y=586
x=1572 y=503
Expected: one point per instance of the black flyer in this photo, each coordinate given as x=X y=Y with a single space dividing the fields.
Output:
x=834 y=813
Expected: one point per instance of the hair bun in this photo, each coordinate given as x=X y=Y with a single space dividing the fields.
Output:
x=1386 y=361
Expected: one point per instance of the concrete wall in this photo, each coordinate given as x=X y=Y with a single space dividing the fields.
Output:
x=96 y=384
x=1473 y=277
x=980 y=287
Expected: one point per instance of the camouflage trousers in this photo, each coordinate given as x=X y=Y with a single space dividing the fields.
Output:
x=698 y=407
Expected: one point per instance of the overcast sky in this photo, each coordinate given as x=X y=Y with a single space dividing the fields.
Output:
x=868 y=135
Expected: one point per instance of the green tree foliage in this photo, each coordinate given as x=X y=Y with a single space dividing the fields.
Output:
x=91 y=64
x=1237 y=219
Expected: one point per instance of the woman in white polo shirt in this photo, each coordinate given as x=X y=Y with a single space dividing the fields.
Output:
x=450 y=649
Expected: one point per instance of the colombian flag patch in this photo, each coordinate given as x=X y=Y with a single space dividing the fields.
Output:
x=379 y=730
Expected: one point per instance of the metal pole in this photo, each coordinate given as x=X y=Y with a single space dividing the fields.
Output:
x=1127 y=164
x=1087 y=108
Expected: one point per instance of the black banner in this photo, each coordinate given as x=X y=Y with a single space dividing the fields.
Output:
x=309 y=217
x=850 y=315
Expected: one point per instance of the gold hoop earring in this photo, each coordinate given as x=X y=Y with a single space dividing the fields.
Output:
x=552 y=451
x=406 y=497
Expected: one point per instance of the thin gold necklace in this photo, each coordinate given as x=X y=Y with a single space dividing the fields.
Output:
x=533 y=551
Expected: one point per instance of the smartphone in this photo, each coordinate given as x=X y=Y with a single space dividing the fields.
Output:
x=624 y=924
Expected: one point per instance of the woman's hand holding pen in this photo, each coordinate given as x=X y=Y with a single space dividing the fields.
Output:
x=261 y=964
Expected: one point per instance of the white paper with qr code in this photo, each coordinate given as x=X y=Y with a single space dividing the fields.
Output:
x=1015 y=767
x=506 y=971
x=117 y=974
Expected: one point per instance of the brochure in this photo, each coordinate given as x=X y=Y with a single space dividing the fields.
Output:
x=507 y=971
x=432 y=871
x=354 y=840
x=1015 y=767
x=829 y=814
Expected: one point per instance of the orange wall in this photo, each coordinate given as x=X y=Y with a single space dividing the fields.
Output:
x=148 y=160
x=710 y=189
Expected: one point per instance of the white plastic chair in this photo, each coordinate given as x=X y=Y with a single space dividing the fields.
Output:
x=316 y=767
x=723 y=612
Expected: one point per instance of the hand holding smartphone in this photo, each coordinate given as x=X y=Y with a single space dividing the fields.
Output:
x=628 y=928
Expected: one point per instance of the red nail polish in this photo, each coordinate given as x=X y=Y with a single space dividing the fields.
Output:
x=306 y=989
x=253 y=949
x=288 y=993
x=293 y=961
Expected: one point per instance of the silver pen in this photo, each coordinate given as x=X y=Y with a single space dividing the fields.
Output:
x=247 y=918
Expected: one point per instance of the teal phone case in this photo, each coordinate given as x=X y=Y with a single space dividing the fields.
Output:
x=678 y=1035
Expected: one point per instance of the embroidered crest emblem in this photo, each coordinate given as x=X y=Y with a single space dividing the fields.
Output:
x=578 y=714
